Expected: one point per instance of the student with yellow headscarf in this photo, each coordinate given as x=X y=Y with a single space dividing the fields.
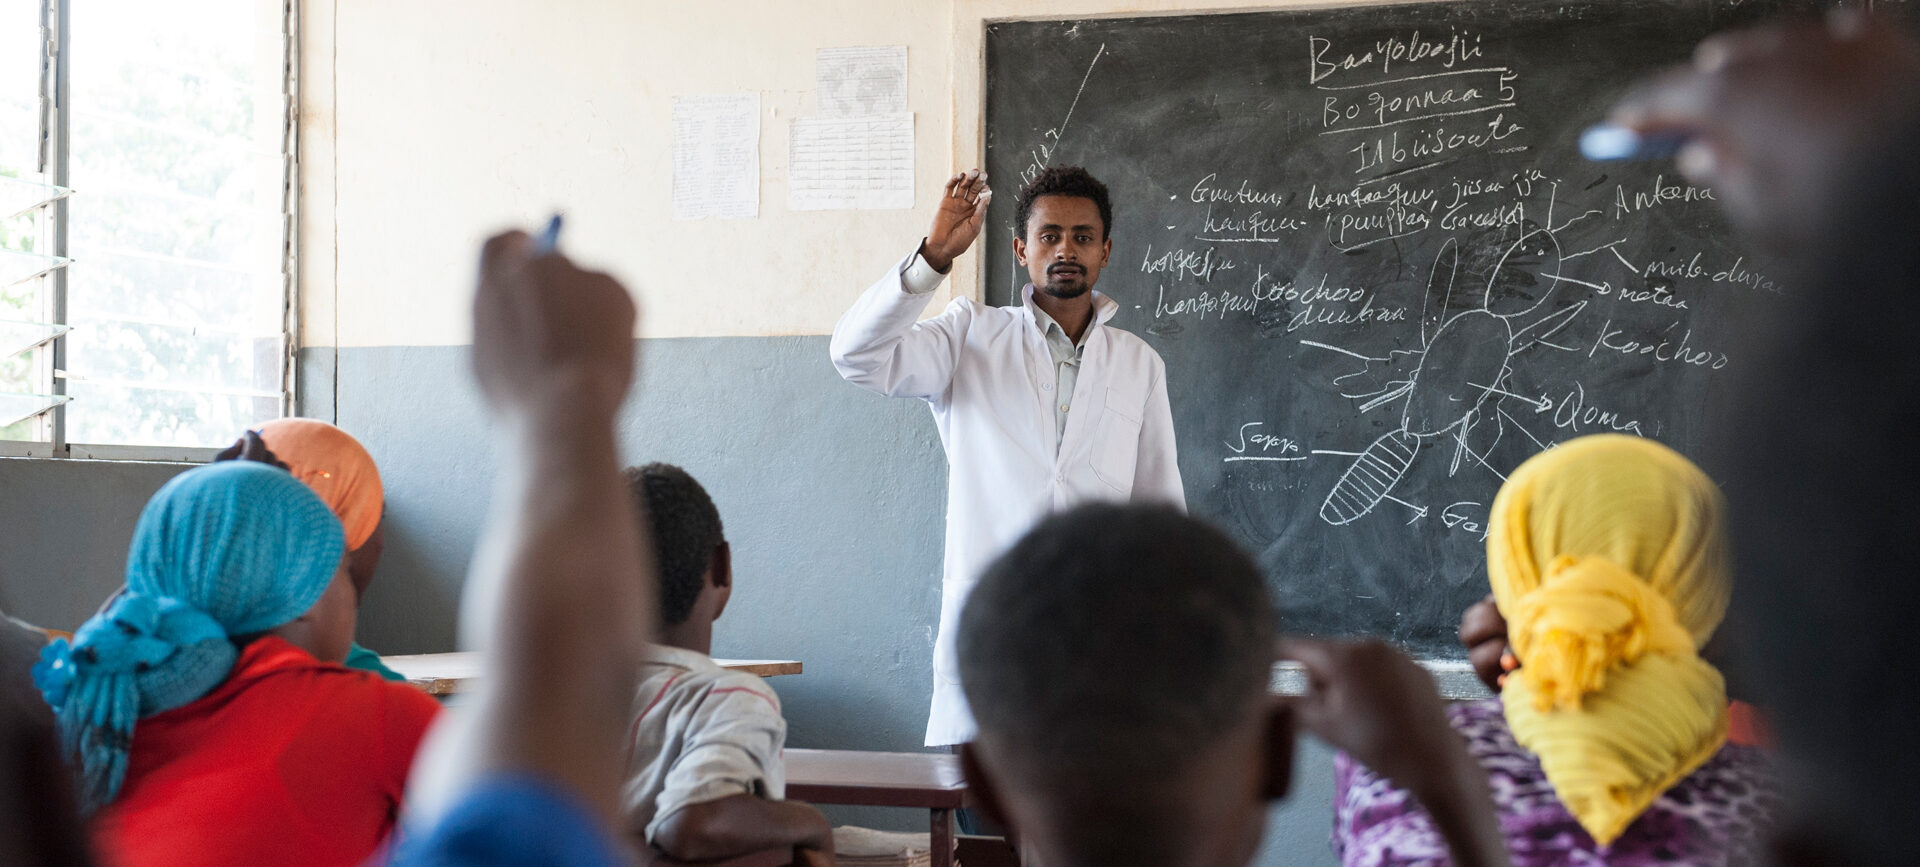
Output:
x=1608 y=558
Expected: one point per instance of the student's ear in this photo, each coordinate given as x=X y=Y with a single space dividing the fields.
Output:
x=723 y=565
x=1106 y=251
x=720 y=574
x=980 y=784
x=1020 y=250
x=1280 y=740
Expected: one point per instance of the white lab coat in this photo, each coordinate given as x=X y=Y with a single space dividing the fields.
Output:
x=989 y=378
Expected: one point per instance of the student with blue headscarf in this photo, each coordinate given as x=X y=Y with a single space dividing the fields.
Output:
x=205 y=708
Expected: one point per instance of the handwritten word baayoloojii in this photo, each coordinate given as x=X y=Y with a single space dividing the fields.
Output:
x=1386 y=55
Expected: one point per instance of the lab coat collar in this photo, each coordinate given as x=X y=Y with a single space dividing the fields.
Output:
x=1103 y=307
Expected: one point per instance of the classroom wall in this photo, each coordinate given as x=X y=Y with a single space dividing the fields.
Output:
x=66 y=527
x=427 y=125
x=430 y=124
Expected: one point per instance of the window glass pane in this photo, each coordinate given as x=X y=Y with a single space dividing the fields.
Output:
x=20 y=54
x=19 y=87
x=187 y=417
x=177 y=293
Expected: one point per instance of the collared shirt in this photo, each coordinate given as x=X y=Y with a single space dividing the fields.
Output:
x=993 y=384
x=919 y=278
x=1066 y=365
x=700 y=733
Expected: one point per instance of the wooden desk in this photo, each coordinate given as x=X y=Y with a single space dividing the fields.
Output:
x=450 y=673
x=929 y=780
x=1453 y=677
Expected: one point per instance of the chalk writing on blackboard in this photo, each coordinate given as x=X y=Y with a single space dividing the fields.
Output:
x=1378 y=271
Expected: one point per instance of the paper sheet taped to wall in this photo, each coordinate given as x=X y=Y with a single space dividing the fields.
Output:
x=716 y=156
x=851 y=162
x=861 y=80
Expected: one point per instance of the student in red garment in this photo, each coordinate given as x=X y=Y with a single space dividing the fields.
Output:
x=205 y=708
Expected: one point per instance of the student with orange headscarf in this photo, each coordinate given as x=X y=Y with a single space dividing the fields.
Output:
x=1608 y=744
x=338 y=468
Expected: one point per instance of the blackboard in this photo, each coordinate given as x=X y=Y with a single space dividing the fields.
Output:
x=1379 y=272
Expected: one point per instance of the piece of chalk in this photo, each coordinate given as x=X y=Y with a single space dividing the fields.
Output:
x=549 y=238
x=1606 y=142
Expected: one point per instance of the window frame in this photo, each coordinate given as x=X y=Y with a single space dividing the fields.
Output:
x=55 y=137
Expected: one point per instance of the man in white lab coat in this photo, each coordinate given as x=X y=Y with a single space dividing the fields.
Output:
x=1040 y=406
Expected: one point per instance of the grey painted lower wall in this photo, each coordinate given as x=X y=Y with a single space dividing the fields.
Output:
x=64 y=531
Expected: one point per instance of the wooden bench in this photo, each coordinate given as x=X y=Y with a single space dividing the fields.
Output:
x=931 y=781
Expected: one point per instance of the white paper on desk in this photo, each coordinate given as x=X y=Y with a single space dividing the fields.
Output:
x=863 y=80
x=716 y=156
x=838 y=163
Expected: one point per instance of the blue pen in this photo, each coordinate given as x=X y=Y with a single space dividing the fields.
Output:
x=549 y=238
x=1606 y=142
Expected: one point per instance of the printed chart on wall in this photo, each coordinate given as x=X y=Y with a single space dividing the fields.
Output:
x=1378 y=269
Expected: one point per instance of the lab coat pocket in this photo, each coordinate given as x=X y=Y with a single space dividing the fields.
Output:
x=1116 y=445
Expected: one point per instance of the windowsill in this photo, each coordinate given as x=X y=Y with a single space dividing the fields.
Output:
x=139 y=454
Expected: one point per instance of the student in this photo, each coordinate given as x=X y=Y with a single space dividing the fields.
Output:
x=1117 y=659
x=560 y=599
x=1608 y=742
x=338 y=468
x=705 y=777
x=204 y=707
x=1040 y=406
x=1805 y=131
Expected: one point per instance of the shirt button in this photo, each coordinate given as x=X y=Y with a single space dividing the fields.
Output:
x=1046 y=386
x=1063 y=407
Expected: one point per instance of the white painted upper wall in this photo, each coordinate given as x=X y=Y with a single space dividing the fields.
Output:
x=429 y=124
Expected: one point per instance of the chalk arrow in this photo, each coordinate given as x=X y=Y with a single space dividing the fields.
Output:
x=1418 y=511
x=1540 y=404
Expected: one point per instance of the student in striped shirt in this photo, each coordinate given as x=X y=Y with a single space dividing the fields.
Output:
x=704 y=773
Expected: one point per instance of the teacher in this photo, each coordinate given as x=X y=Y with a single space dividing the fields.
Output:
x=1040 y=406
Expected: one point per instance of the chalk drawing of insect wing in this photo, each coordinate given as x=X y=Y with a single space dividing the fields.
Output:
x=1461 y=370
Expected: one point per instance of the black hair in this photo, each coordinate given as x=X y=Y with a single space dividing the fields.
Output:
x=1064 y=181
x=686 y=530
x=1111 y=646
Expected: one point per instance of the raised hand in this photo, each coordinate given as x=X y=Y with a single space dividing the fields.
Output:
x=1483 y=632
x=1382 y=708
x=1773 y=114
x=963 y=208
x=549 y=337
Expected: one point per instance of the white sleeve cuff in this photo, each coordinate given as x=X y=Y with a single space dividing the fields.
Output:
x=918 y=277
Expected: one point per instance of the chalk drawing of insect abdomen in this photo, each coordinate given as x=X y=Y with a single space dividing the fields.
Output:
x=1460 y=372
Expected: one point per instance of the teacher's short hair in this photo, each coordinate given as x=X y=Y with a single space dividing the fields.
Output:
x=686 y=530
x=1112 y=644
x=1064 y=181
